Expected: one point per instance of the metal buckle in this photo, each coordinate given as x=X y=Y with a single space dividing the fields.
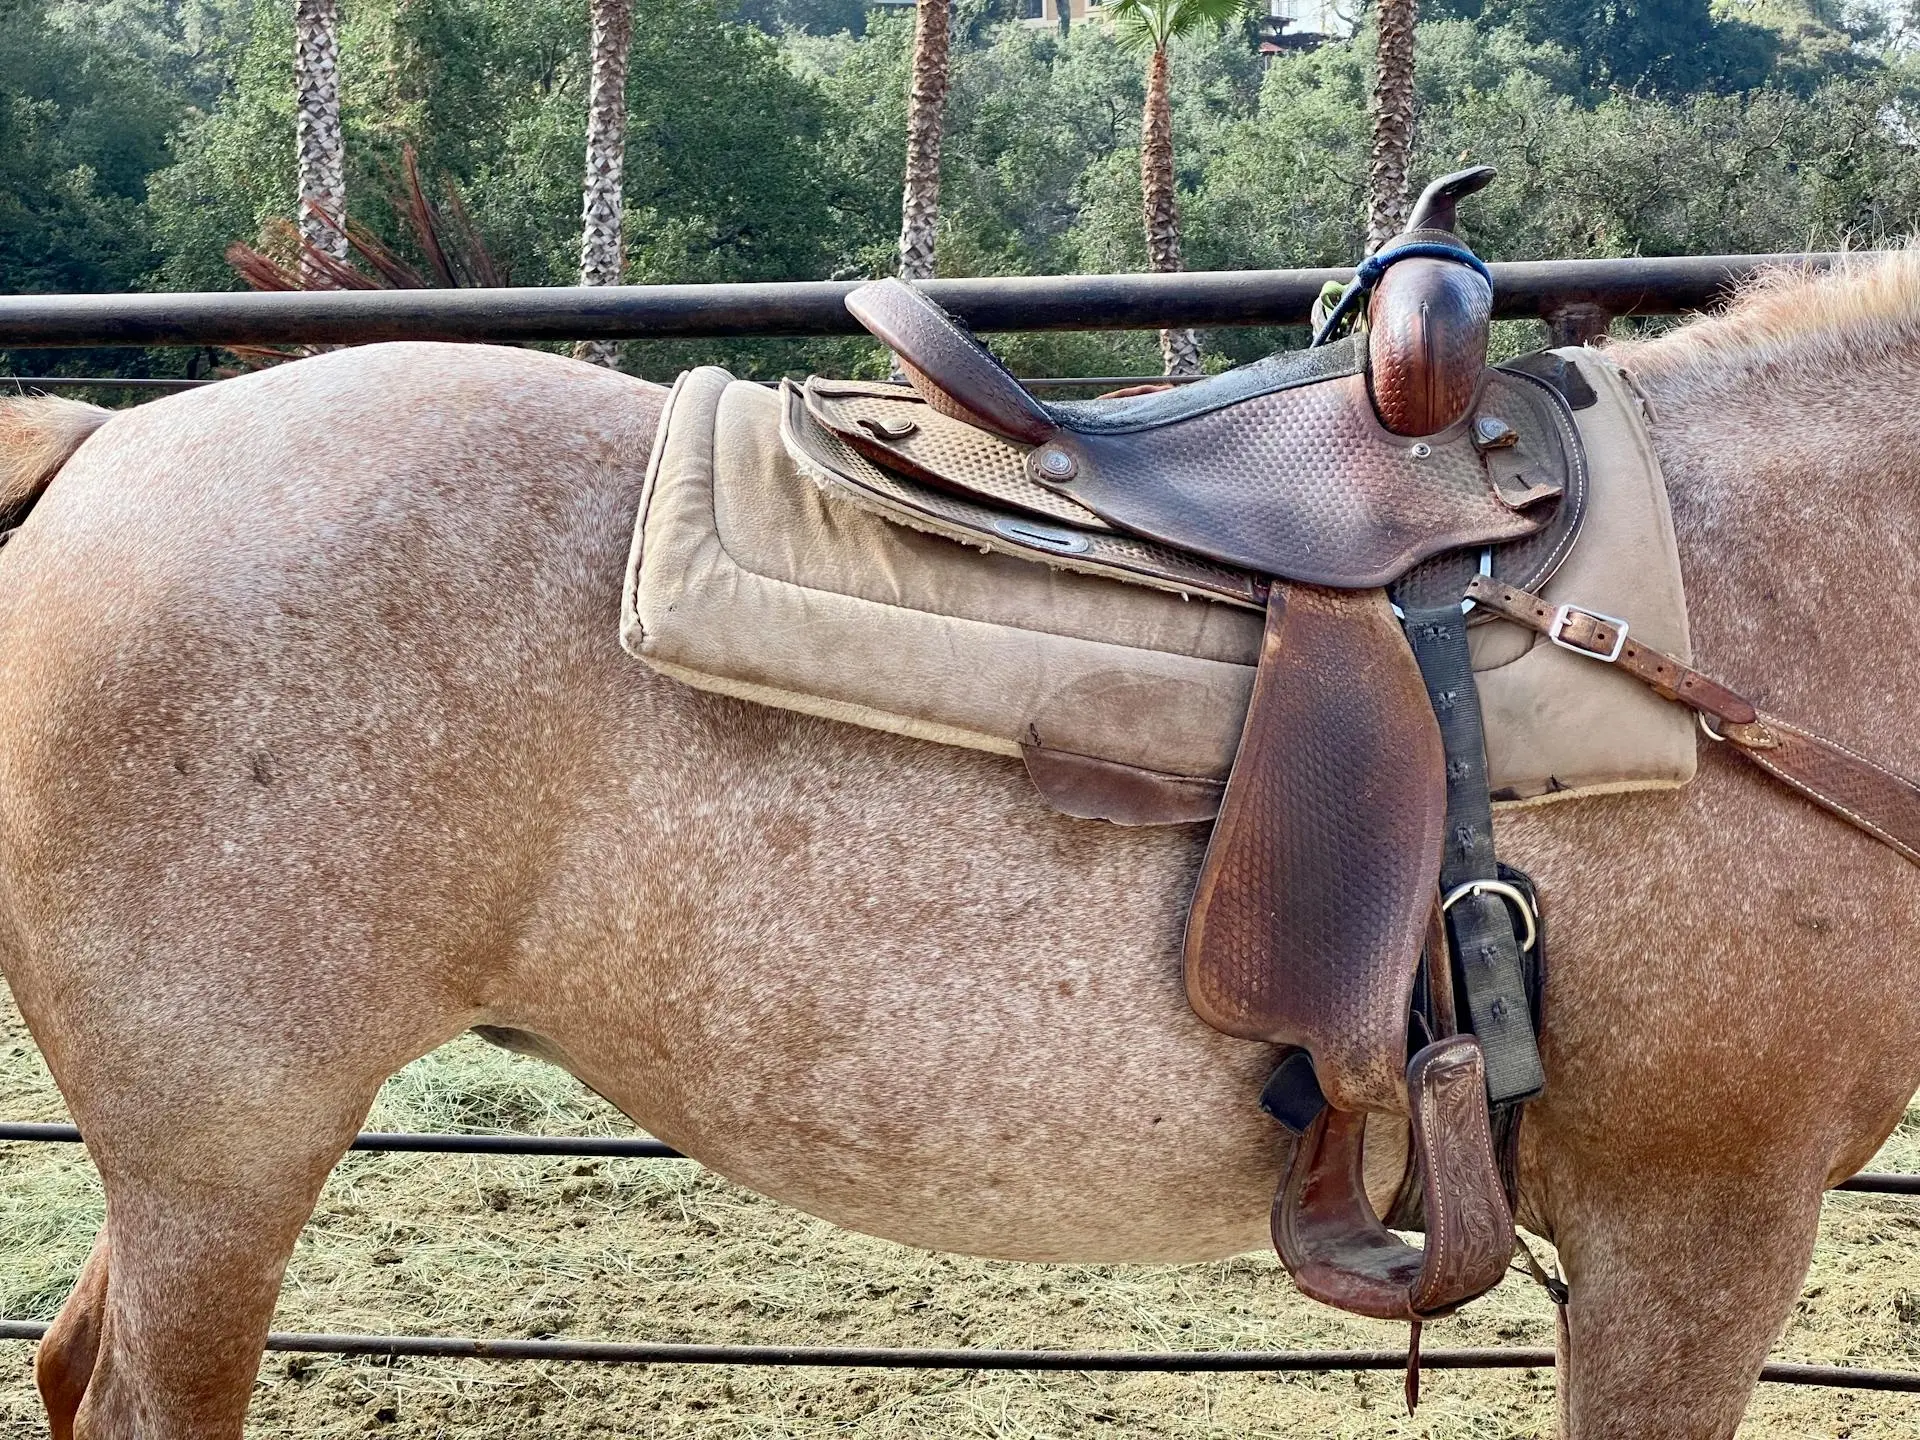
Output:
x=1512 y=894
x=1566 y=613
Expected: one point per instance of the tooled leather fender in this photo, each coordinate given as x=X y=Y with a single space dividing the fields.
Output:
x=1316 y=889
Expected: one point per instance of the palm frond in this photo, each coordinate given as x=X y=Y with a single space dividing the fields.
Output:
x=1141 y=24
x=1154 y=24
x=1192 y=15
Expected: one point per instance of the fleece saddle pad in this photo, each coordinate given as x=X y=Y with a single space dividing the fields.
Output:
x=757 y=573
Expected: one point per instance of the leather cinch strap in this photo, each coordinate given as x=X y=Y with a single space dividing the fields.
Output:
x=1858 y=790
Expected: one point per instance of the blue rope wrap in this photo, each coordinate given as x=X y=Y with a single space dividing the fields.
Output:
x=1374 y=266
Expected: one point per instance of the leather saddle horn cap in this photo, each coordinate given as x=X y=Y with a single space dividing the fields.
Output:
x=1429 y=320
x=971 y=384
x=1435 y=208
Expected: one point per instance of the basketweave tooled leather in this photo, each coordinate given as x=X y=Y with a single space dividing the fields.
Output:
x=1859 y=791
x=1303 y=483
x=848 y=475
x=1314 y=895
x=1427 y=343
x=894 y=427
x=1335 y=1247
x=1547 y=450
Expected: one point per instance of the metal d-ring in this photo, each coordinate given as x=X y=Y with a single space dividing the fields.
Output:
x=1512 y=894
x=1708 y=730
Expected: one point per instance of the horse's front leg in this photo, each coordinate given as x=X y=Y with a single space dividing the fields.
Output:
x=1679 y=1283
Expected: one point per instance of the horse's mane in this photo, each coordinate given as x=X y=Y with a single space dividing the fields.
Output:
x=1791 y=321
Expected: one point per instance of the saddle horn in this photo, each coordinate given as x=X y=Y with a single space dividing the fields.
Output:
x=1429 y=321
x=1434 y=210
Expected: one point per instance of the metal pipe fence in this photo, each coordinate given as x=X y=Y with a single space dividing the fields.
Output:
x=633 y=1148
x=610 y=1352
x=1526 y=289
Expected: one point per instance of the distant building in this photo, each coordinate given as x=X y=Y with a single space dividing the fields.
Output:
x=1305 y=24
x=1047 y=12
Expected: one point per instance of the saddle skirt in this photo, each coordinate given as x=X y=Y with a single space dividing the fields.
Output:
x=775 y=560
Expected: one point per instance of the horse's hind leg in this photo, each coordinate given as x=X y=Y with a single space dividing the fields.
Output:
x=1679 y=1285
x=208 y=1184
x=65 y=1360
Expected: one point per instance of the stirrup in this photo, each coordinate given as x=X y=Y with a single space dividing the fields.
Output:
x=1333 y=1244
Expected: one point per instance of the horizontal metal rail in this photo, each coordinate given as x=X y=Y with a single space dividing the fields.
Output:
x=581 y=1146
x=134 y=382
x=610 y=1352
x=1522 y=289
x=102 y=382
x=626 y=1148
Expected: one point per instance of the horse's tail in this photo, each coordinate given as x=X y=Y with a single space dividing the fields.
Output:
x=38 y=434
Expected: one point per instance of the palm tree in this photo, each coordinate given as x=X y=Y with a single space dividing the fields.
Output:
x=1153 y=25
x=316 y=125
x=606 y=158
x=926 y=115
x=1392 y=121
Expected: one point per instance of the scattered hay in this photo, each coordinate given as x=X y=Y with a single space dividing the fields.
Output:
x=634 y=1249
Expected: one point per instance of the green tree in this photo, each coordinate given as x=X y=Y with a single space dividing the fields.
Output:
x=83 y=124
x=1667 y=47
x=1151 y=26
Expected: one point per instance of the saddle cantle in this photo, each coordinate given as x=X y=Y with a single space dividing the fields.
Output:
x=1363 y=483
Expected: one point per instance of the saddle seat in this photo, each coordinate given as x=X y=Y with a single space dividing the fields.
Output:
x=1288 y=468
x=1349 y=908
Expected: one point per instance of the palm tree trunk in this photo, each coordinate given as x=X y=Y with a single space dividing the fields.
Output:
x=1392 y=121
x=926 y=116
x=316 y=127
x=1179 y=349
x=606 y=159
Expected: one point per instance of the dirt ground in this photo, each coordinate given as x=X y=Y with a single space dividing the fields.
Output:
x=661 y=1250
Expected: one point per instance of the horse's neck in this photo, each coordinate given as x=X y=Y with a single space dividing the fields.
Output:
x=1792 y=506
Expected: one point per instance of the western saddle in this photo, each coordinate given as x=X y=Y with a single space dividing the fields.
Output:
x=1364 y=483
x=1370 y=491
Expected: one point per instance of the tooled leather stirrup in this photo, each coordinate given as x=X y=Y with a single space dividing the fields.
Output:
x=1333 y=1244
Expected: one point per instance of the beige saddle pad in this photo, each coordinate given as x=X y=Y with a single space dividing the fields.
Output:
x=749 y=579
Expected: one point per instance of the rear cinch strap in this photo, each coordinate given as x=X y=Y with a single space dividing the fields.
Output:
x=1882 y=802
x=1480 y=923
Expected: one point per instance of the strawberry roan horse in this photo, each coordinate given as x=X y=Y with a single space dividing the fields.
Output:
x=317 y=748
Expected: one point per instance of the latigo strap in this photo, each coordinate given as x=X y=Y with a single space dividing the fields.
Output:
x=1858 y=790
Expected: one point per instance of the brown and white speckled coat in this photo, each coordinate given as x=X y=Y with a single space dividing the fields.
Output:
x=317 y=747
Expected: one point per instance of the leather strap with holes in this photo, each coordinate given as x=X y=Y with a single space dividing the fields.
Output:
x=1586 y=633
x=1884 y=804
